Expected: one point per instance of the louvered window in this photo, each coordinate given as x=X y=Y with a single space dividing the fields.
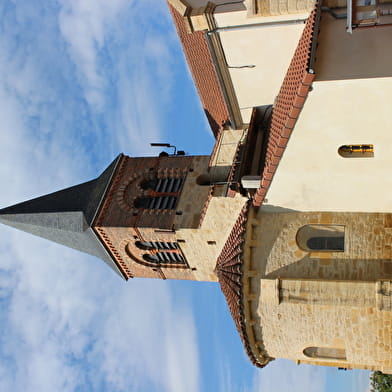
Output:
x=164 y=258
x=163 y=194
x=161 y=252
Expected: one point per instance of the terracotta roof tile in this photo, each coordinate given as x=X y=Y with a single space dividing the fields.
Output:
x=230 y=274
x=289 y=102
x=203 y=71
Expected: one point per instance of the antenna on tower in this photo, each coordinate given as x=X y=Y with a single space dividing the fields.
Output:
x=167 y=145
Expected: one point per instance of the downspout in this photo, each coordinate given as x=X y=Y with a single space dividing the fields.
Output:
x=224 y=77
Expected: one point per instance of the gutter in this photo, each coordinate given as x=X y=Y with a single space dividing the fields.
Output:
x=349 y=25
x=221 y=67
x=257 y=25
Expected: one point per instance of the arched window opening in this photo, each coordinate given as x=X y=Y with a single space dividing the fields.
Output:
x=152 y=258
x=162 y=185
x=164 y=258
x=325 y=353
x=144 y=245
x=326 y=243
x=161 y=252
x=149 y=184
x=162 y=193
x=156 y=202
x=142 y=202
x=149 y=245
x=321 y=238
x=356 y=151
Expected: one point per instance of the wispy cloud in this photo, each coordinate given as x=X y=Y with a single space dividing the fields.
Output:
x=360 y=381
x=283 y=376
x=121 y=45
x=85 y=26
x=69 y=90
x=70 y=323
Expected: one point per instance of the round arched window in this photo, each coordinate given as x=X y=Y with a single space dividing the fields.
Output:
x=325 y=353
x=321 y=238
x=356 y=151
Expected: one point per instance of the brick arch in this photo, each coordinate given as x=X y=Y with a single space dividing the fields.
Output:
x=135 y=187
x=138 y=255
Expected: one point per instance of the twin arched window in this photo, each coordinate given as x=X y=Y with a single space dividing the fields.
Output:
x=321 y=238
x=161 y=252
x=162 y=193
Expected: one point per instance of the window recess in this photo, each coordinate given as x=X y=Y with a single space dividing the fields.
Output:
x=325 y=353
x=321 y=238
x=356 y=151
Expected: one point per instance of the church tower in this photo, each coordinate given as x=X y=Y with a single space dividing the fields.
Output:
x=164 y=217
x=288 y=212
x=159 y=217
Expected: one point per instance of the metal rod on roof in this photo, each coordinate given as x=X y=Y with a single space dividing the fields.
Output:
x=349 y=16
x=254 y=25
x=168 y=145
x=160 y=145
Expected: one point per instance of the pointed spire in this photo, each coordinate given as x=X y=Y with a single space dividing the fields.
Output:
x=66 y=216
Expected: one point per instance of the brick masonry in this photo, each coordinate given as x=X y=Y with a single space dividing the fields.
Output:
x=199 y=223
x=119 y=224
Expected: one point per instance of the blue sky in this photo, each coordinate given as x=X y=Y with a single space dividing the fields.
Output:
x=81 y=81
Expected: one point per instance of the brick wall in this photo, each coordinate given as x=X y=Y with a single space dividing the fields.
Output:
x=119 y=224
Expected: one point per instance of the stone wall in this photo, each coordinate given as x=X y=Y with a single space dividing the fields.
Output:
x=202 y=246
x=333 y=302
x=367 y=255
x=199 y=224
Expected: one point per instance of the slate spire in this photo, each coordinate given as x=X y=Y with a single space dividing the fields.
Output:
x=66 y=216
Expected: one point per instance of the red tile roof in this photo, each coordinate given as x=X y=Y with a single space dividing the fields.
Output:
x=289 y=102
x=203 y=71
x=230 y=272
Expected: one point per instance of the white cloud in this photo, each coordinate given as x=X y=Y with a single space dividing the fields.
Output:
x=84 y=25
x=123 y=55
x=71 y=322
x=68 y=322
x=360 y=381
x=285 y=376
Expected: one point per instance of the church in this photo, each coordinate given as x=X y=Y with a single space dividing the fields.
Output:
x=292 y=212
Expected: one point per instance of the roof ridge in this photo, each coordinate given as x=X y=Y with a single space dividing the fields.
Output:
x=290 y=101
x=230 y=275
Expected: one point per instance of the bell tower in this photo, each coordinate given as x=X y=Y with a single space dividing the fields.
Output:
x=164 y=217
x=149 y=201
